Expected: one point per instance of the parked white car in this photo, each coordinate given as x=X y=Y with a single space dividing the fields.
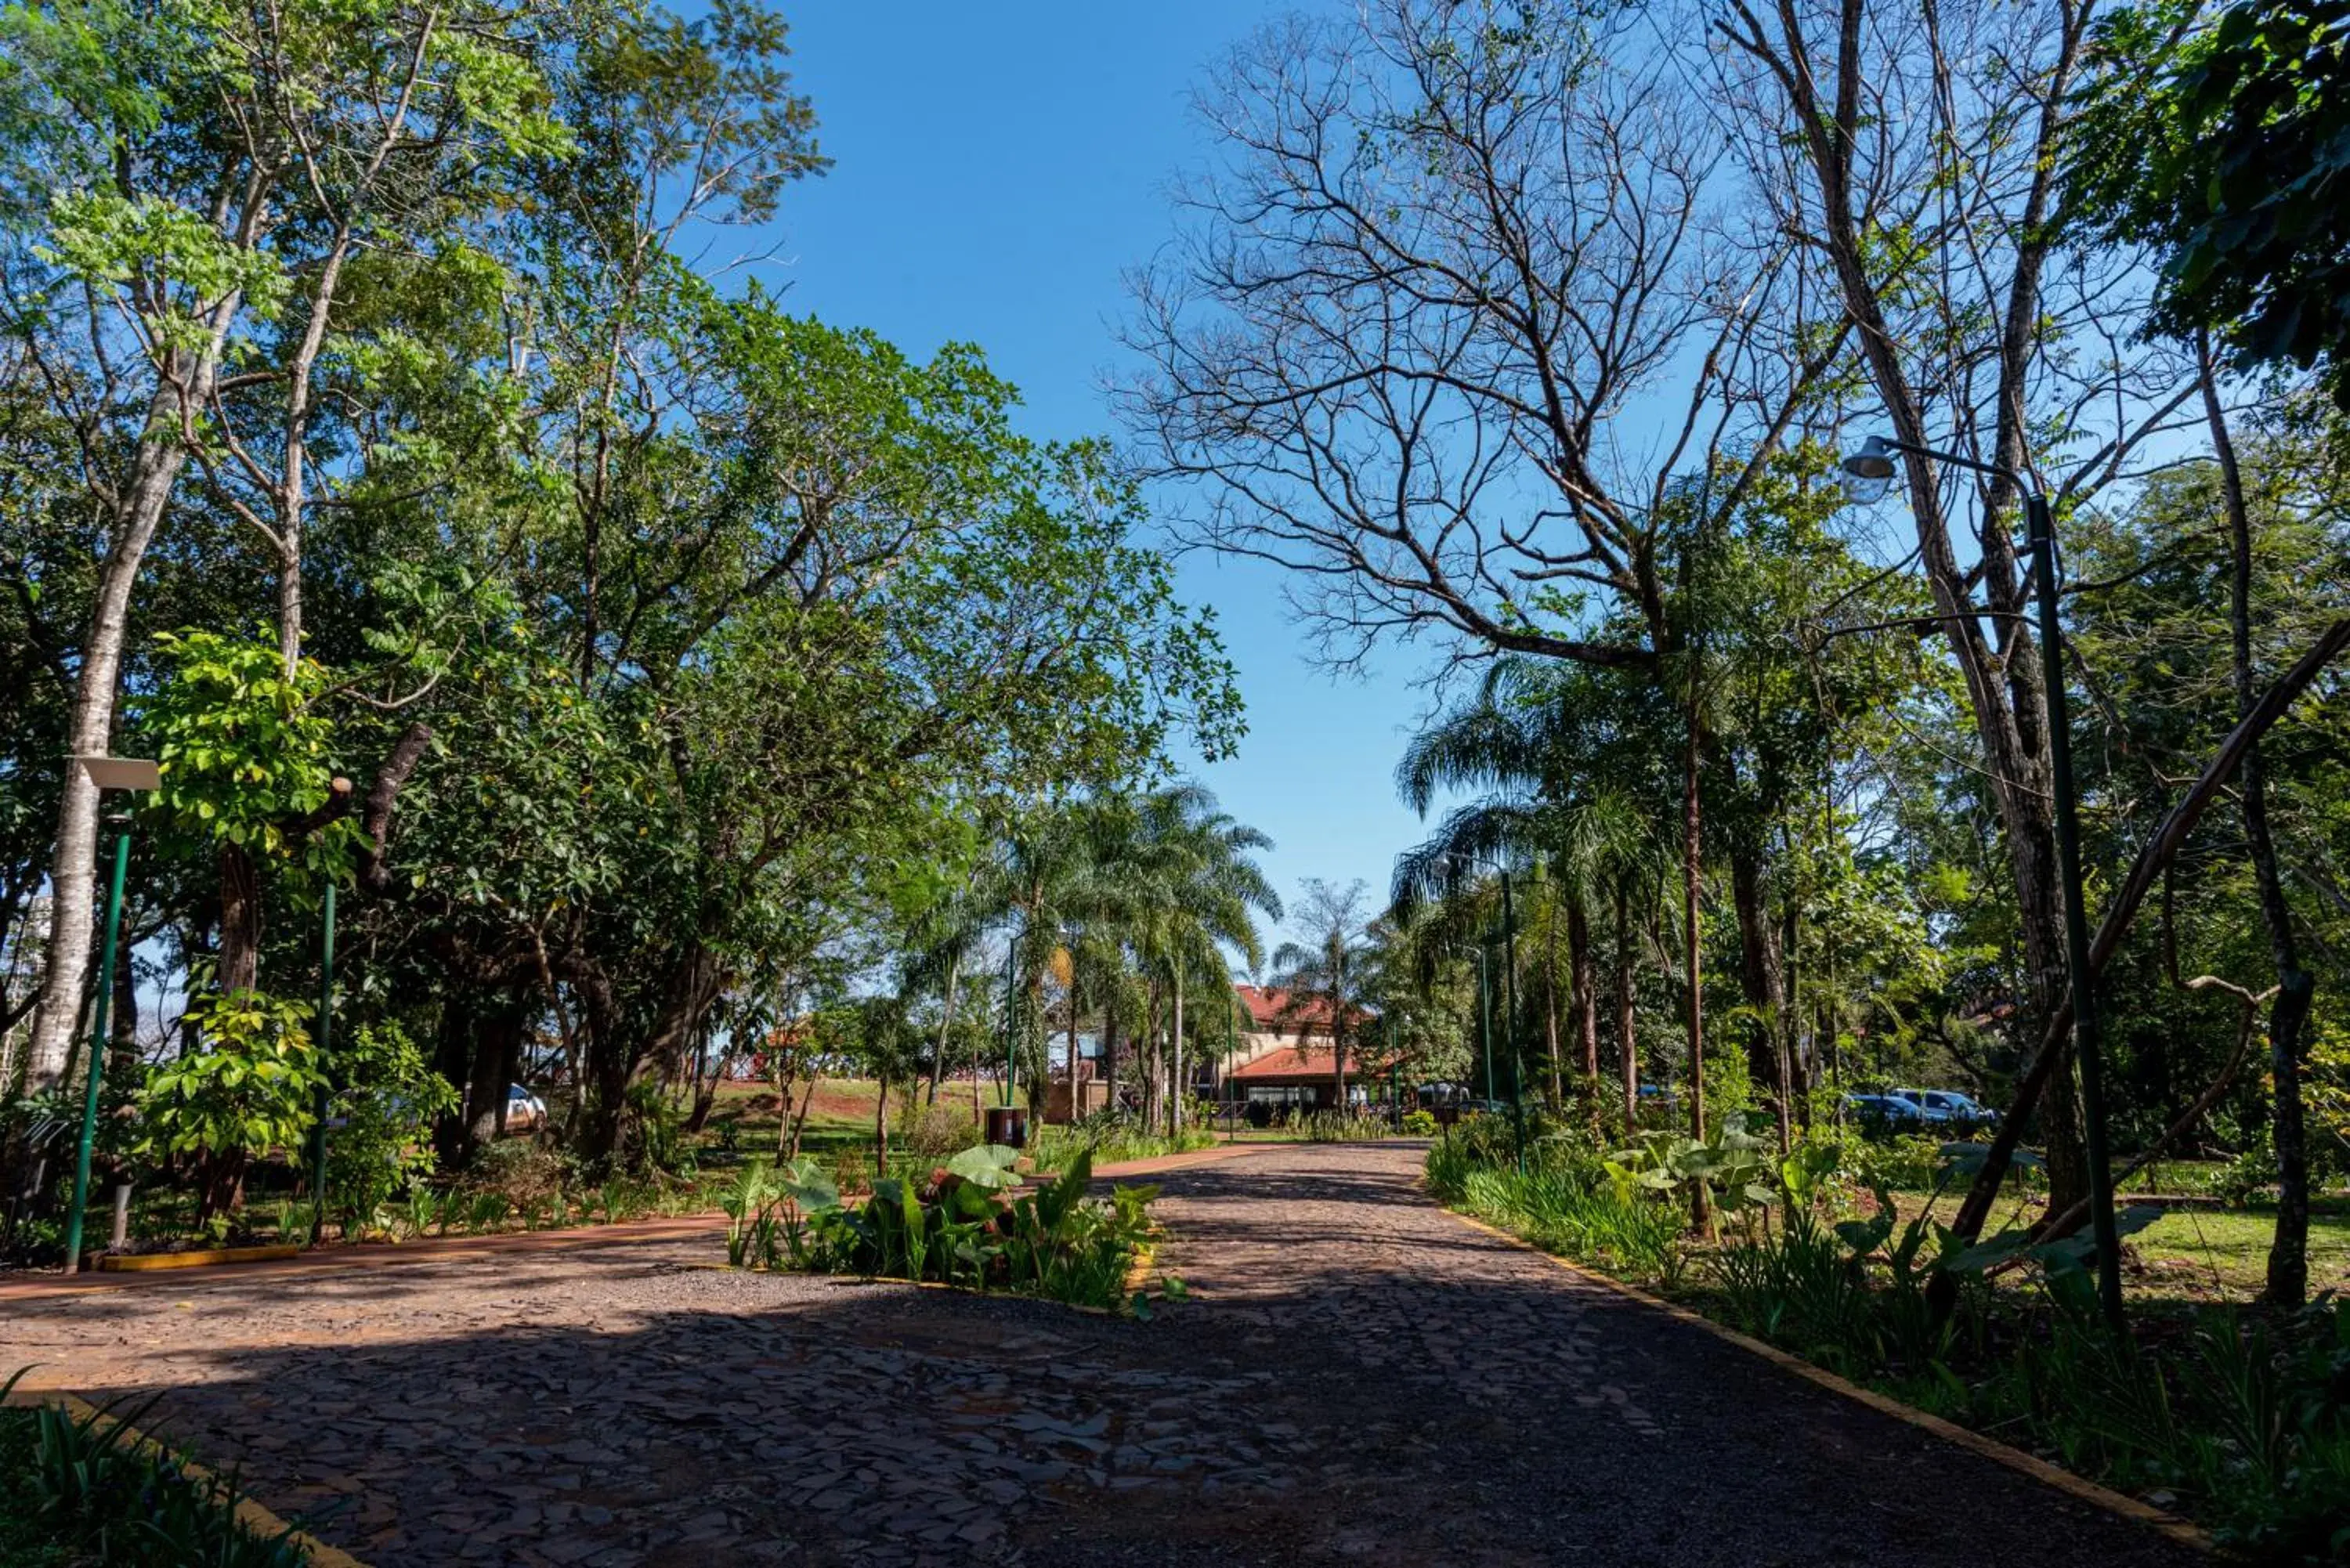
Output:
x=525 y=1112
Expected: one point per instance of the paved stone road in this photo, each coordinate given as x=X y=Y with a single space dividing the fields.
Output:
x=1361 y=1378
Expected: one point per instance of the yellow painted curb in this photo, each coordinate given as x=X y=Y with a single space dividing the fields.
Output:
x=1138 y=1273
x=2039 y=1469
x=147 y=1262
x=249 y=1513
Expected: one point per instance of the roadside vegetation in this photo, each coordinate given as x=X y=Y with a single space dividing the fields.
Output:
x=968 y=1222
x=76 y=1491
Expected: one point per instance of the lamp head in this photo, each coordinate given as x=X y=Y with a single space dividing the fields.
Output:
x=1869 y=472
x=122 y=772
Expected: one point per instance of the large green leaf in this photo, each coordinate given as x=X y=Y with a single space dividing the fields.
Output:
x=987 y=1165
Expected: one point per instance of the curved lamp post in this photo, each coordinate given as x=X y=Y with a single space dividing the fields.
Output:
x=132 y=773
x=1869 y=472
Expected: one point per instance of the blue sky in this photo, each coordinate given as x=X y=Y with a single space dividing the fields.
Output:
x=997 y=167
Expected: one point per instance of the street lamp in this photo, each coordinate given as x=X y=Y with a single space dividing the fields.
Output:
x=133 y=774
x=1869 y=472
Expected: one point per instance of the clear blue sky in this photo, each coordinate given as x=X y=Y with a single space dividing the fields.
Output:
x=997 y=167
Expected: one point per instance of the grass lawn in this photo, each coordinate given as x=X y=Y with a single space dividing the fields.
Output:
x=2204 y=1254
x=2210 y=1253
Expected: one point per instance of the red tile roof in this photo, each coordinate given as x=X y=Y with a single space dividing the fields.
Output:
x=1265 y=1010
x=1284 y=1062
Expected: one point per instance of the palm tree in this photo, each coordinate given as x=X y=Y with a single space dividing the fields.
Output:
x=1562 y=771
x=1195 y=897
x=1056 y=872
x=1327 y=978
x=1164 y=877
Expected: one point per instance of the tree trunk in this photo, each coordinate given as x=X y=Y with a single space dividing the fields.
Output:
x=946 y=1026
x=1150 y=1062
x=497 y=1035
x=1761 y=977
x=1792 y=1050
x=122 y=1050
x=1550 y=1002
x=2288 y=1268
x=880 y=1126
x=144 y=493
x=1076 y=1110
x=1175 y=1089
x=1584 y=997
x=705 y=1100
x=2003 y=681
x=452 y=1058
x=1109 y=1045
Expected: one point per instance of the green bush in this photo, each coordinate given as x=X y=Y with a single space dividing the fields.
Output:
x=250 y=1088
x=388 y=1098
x=1110 y=1137
x=1420 y=1124
x=937 y=1133
x=1335 y=1127
x=972 y=1226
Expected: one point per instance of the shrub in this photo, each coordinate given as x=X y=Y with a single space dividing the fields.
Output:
x=1420 y=1124
x=526 y=1174
x=389 y=1099
x=966 y=1224
x=1109 y=1136
x=250 y=1089
x=939 y=1132
x=1334 y=1126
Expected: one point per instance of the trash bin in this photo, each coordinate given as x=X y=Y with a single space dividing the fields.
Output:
x=1008 y=1125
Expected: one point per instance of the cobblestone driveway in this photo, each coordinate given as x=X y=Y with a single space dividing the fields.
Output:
x=1361 y=1378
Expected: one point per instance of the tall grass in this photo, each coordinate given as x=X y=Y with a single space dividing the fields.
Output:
x=1053 y=1149
x=1563 y=1201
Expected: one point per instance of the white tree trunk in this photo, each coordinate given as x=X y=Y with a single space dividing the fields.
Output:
x=73 y=866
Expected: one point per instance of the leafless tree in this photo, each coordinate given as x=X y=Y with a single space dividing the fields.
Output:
x=1395 y=340
x=1465 y=322
x=1912 y=150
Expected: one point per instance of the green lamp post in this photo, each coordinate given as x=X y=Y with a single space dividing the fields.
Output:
x=132 y=773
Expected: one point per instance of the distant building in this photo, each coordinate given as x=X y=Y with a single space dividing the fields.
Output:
x=1282 y=1063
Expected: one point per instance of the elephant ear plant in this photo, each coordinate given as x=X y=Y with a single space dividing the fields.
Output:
x=969 y=1222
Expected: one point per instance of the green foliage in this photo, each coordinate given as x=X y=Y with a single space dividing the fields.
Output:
x=1565 y=1201
x=102 y=1497
x=1109 y=1139
x=1420 y=1124
x=971 y=1224
x=245 y=752
x=248 y=1090
x=387 y=1096
x=1344 y=1127
x=2225 y=145
x=1730 y=1162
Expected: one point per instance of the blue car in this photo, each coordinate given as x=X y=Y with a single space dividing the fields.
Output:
x=1889 y=1109
x=1948 y=1106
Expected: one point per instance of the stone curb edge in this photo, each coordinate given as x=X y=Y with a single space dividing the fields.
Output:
x=2039 y=1469
x=249 y=1512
